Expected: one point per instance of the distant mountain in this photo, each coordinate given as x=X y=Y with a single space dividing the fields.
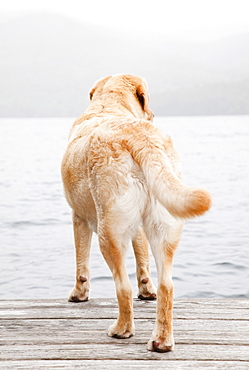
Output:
x=49 y=63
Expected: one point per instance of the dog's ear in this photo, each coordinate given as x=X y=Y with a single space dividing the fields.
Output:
x=143 y=98
x=92 y=92
x=98 y=85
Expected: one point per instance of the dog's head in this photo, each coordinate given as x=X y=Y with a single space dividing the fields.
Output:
x=129 y=91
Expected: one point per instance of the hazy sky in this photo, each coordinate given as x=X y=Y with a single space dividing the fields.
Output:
x=182 y=19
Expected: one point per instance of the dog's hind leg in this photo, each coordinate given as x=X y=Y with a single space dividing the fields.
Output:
x=82 y=238
x=162 y=339
x=113 y=253
x=146 y=289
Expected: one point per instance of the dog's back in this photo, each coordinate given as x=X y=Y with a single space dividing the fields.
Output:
x=125 y=163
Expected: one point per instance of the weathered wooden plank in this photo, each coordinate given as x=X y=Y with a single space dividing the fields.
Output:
x=101 y=309
x=112 y=303
x=97 y=337
x=92 y=330
x=226 y=326
x=112 y=315
x=123 y=350
x=124 y=365
x=18 y=327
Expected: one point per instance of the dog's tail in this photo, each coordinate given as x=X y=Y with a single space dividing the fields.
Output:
x=150 y=154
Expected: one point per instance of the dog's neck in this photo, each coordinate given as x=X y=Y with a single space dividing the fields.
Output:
x=116 y=104
x=101 y=109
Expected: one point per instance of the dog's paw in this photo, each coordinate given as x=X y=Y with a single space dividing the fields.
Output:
x=161 y=345
x=77 y=295
x=121 y=331
x=147 y=296
x=147 y=291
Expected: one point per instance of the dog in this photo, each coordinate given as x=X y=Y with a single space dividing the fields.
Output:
x=122 y=179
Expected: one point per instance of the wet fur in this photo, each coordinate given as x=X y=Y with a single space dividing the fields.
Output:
x=122 y=179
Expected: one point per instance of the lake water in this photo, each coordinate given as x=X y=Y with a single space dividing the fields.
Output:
x=36 y=240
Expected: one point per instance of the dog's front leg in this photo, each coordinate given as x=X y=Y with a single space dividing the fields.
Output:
x=113 y=254
x=162 y=339
x=82 y=238
x=146 y=289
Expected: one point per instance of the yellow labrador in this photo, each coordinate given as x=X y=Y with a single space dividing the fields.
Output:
x=122 y=179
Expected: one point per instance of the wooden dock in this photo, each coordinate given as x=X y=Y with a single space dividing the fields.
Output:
x=55 y=334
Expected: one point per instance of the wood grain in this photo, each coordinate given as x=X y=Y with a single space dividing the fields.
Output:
x=57 y=334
